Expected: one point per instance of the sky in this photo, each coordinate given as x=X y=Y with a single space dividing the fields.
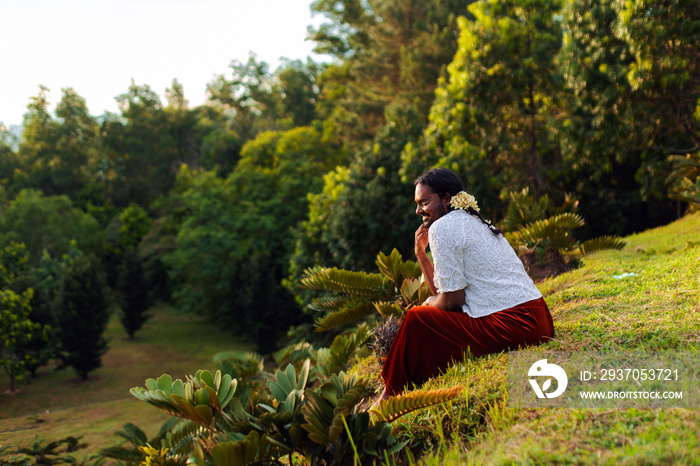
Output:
x=98 y=46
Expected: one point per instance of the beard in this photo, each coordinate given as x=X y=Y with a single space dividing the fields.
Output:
x=428 y=220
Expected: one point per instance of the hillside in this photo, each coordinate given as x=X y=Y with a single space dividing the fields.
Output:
x=655 y=306
x=595 y=308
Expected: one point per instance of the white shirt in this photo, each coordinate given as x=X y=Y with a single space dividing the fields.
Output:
x=468 y=256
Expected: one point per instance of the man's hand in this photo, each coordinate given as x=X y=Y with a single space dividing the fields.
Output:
x=450 y=301
x=421 y=242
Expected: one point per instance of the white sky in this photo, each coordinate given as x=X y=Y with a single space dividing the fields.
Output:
x=98 y=46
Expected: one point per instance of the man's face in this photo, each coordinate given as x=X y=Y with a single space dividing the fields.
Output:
x=429 y=205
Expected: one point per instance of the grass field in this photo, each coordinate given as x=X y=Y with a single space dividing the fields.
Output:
x=57 y=404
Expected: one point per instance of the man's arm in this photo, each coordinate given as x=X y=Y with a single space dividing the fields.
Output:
x=423 y=260
x=450 y=301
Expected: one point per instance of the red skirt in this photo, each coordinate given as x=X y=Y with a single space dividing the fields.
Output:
x=429 y=339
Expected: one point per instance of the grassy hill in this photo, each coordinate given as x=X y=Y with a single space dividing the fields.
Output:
x=657 y=308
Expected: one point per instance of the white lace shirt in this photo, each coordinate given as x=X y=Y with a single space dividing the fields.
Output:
x=468 y=256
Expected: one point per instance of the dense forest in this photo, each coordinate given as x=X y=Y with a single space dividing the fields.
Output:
x=219 y=209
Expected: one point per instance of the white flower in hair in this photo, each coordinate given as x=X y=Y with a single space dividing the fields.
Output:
x=463 y=200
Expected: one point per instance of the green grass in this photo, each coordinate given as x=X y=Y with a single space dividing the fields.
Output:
x=57 y=404
x=656 y=309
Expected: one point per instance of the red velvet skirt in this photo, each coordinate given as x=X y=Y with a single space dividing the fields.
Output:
x=429 y=339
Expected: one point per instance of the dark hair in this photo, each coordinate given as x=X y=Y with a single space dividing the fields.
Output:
x=443 y=182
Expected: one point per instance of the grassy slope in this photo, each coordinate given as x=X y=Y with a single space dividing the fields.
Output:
x=56 y=405
x=658 y=309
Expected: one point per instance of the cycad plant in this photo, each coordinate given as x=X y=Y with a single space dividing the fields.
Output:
x=546 y=245
x=685 y=179
x=323 y=425
x=351 y=296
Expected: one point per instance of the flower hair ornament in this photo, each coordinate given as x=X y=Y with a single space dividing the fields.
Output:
x=463 y=200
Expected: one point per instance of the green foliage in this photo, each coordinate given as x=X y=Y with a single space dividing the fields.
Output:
x=262 y=101
x=365 y=203
x=16 y=332
x=82 y=315
x=685 y=179
x=232 y=251
x=133 y=293
x=59 y=155
x=8 y=160
x=359 y=294
x=27 y=343
x=48 y=223
x=540 y=233
x=664 y=73
x=549 y=243
x=320 y=424
x=134 y=224
x=390 y=51
x=45 y=453
x=343 y=352
x=605 y=129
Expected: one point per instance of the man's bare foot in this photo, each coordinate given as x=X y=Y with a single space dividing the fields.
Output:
x=382 y=396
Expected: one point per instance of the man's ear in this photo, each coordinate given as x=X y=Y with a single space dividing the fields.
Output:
x=446 y=201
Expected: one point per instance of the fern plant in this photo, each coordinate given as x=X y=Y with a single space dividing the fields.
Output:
x=545 y=244
x=322 y=424
x=351 y=296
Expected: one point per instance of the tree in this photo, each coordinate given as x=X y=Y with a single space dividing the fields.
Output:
x=234 y=241
x=248 y=96
x=133 y=293
x=604 y=134
x=60 y=155
x=16 y=332
x=366 y=203
x=388 y=51
x=20 y=277
x=123 y=233
x=299 y=91
x=664 y=75
x=48 y=223
x=8 y=157
x=82 y=315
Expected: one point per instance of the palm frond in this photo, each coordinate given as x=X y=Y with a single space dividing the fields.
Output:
x=181 y=438
x=550 y=228
x=345 y=281
x=684 y=166
x=394 y=407
x=352 y=312
x=339 y=354
x=133 y=434
x=329 y=303
x=601 y=243
x=390 y=266
x=254 y=448
x=388 y=309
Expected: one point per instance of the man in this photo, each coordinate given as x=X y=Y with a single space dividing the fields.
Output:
x=483 y=300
